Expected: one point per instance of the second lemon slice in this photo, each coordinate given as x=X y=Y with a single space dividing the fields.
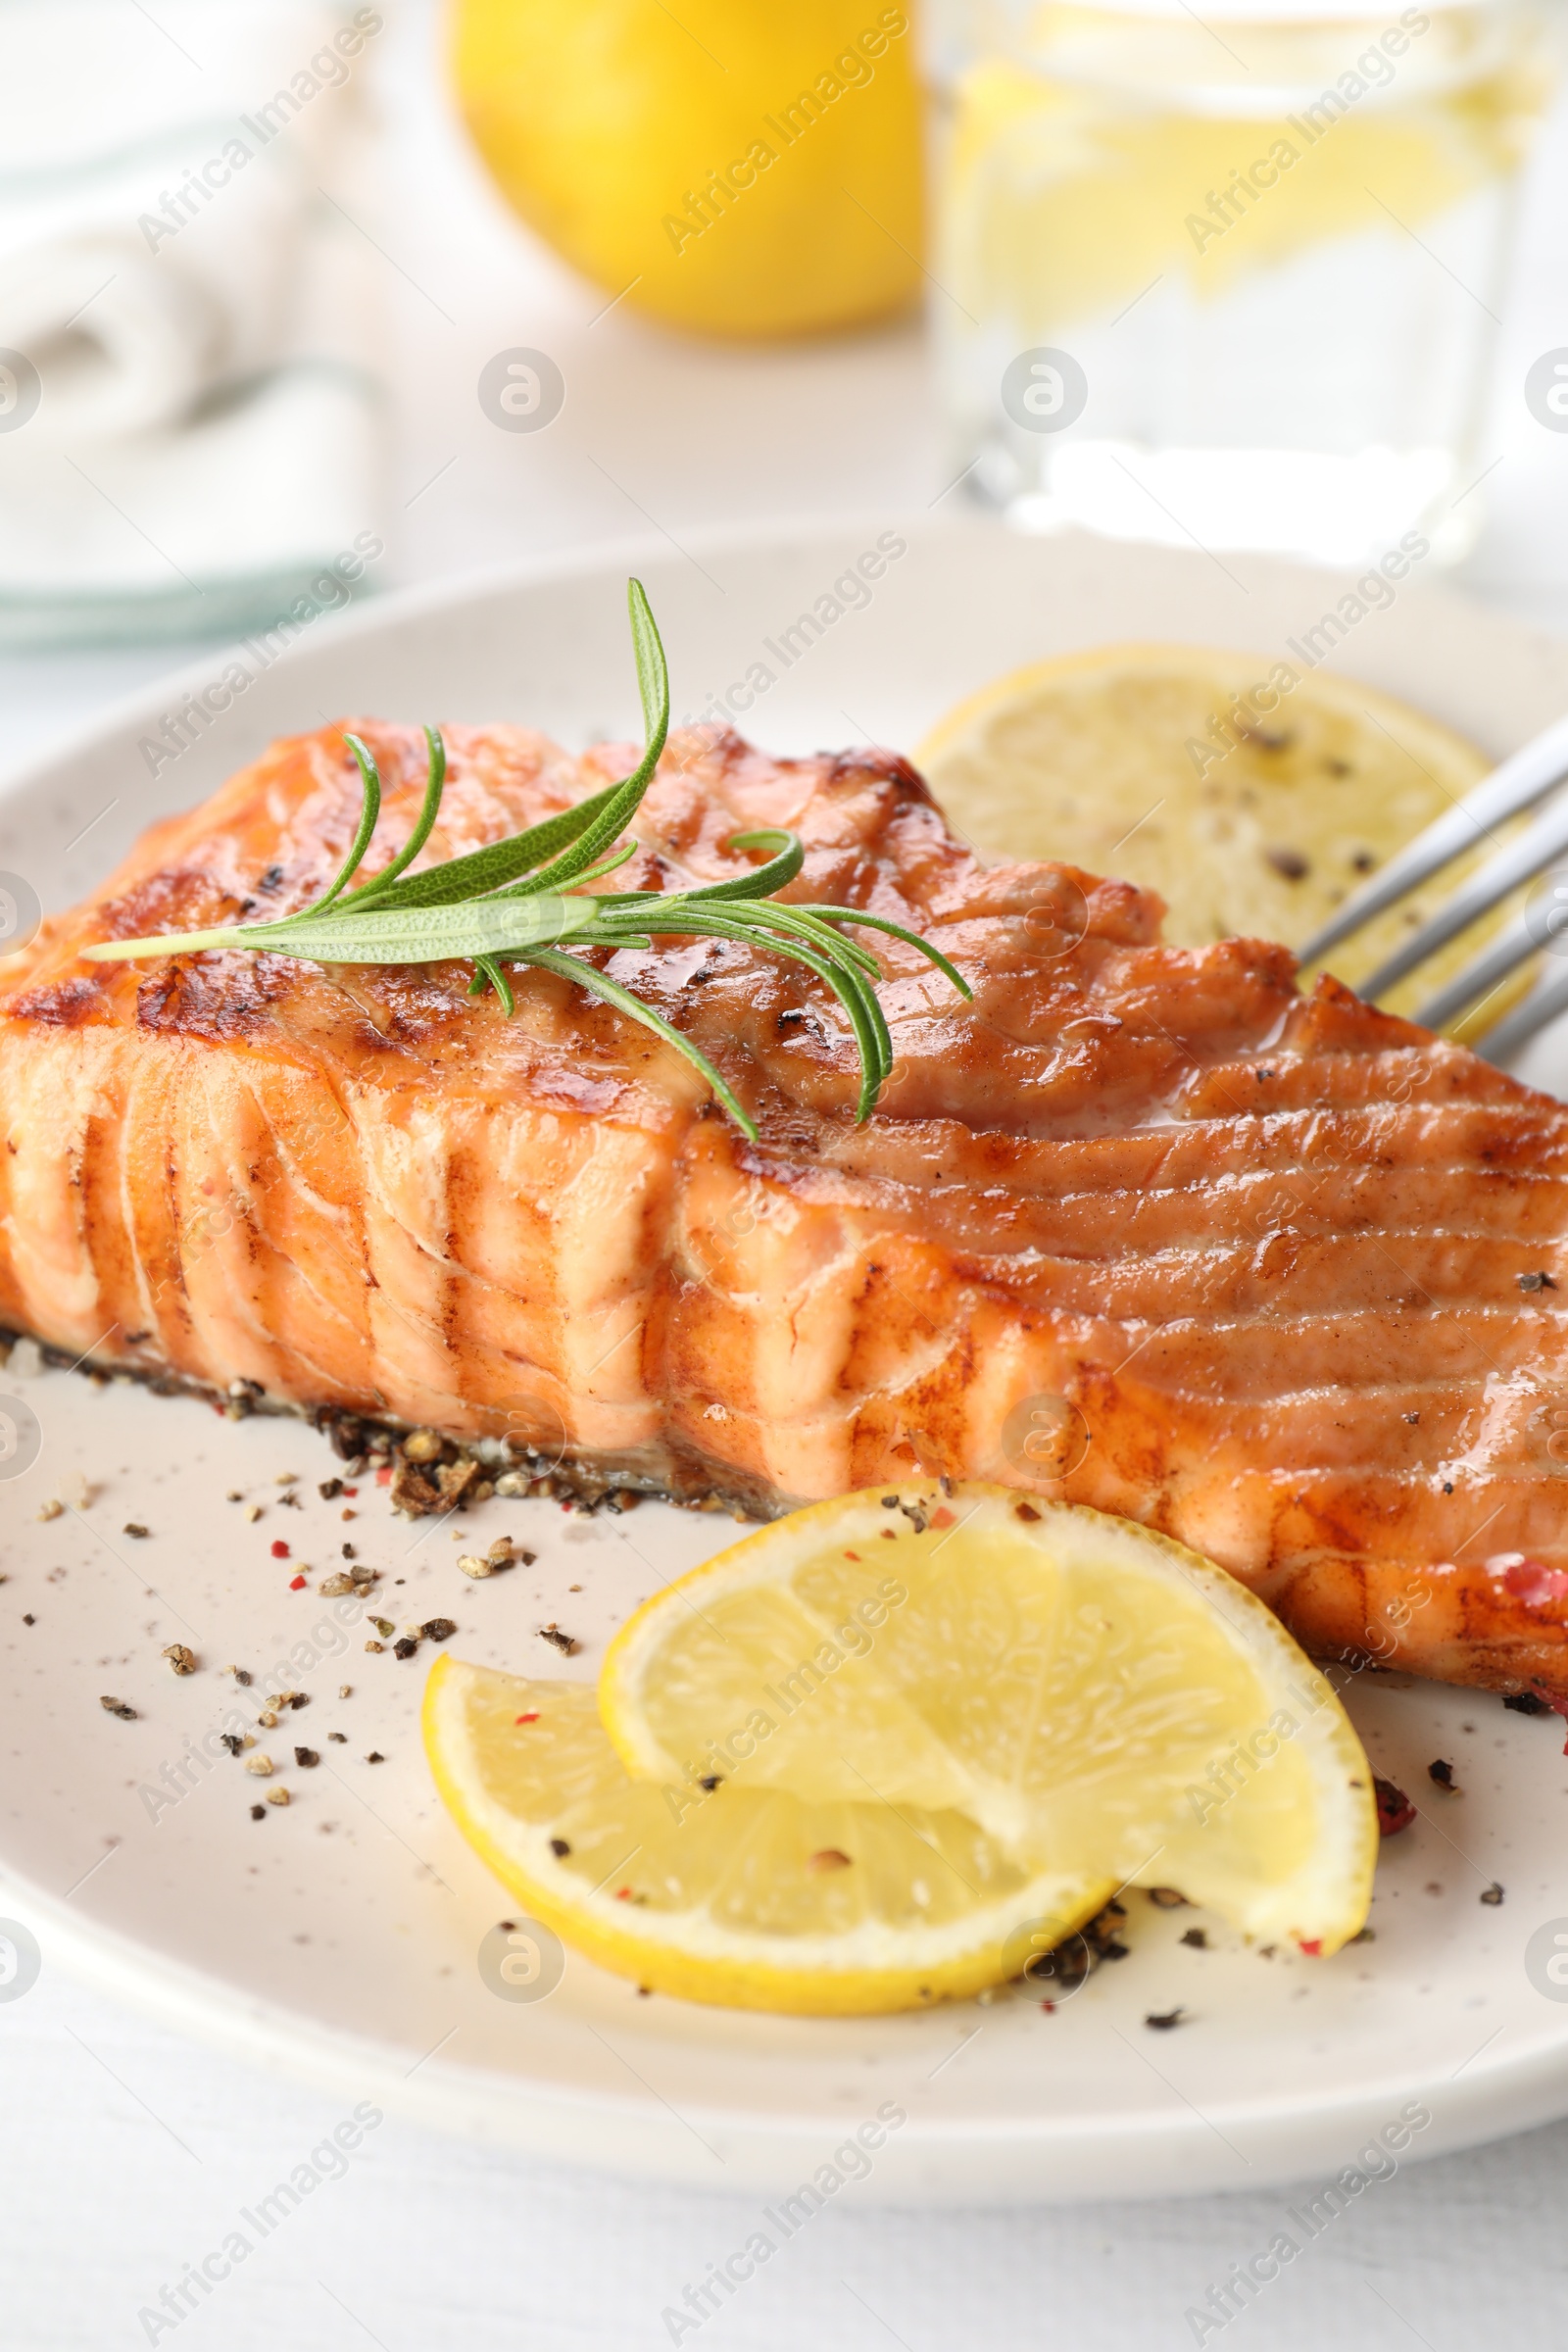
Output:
x=1150 y=762
x=1097 y=1698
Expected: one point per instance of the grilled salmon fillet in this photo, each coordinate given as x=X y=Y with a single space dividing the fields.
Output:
x=1143 y=1227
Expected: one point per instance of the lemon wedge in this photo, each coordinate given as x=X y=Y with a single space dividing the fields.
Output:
x=752 y=1898
x=1253 y=808
x=1102 y=1703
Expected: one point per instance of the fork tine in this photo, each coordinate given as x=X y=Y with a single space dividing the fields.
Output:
x=1518 y=1027
x=1485 y=972
x=1536 y=849
x=1524 y=778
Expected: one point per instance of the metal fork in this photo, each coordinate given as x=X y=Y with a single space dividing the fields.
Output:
x=1525 y=780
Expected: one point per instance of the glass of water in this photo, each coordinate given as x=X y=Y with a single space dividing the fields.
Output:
x=1230 y=278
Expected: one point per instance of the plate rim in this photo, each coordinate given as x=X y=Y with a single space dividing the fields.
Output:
x=1016 y=2161
x=367 y=615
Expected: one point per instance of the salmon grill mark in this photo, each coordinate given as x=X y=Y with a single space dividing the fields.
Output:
x=64 y=1005
x=1292 y=1310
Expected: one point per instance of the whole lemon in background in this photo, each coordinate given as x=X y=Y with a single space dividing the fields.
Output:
x=741 y=168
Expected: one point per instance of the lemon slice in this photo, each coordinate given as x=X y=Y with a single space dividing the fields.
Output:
x=751 y=1897
x=1250 y=817
x=1097 y=1698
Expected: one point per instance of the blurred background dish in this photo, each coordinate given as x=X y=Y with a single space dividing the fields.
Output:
x=201 y=406
x=187 y=322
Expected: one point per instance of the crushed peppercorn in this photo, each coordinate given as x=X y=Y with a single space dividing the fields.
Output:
x=1395 y=1809
x=1291 y=866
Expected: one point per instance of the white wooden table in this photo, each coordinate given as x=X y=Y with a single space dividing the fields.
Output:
x=126 y=2153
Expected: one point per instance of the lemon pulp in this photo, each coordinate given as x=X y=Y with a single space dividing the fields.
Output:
x=1097 y=1699
x=751 y=1899
x=1253 y=808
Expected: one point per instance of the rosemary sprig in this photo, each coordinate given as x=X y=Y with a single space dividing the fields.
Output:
x=511 y=902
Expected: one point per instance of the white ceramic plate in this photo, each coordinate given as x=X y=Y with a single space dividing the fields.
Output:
x=340 y=1937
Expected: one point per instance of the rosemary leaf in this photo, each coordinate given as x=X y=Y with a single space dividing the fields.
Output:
x=481 y=870
x=653 y=683
x=434 y=784
x=910 y=939
x=403 y=935
x=600 y=984
x=762 y=880
x=509 y=902
x=370 y=811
